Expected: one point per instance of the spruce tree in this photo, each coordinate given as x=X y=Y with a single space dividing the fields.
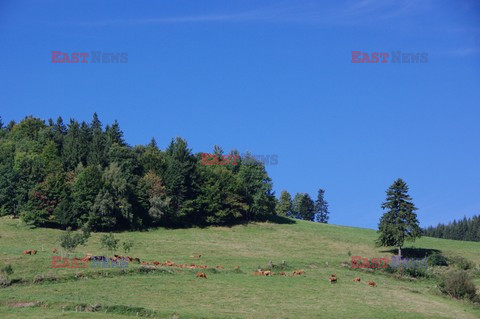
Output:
x=321 y=207
x=303 y=207
x=284 y=206
x=400 y=222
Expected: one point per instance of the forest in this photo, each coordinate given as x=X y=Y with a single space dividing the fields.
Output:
x=81 y=174
x=463 y=229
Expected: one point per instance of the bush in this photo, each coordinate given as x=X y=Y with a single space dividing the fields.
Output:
x=69 y=240
x=37 y=279
x=7 y=270
x=4 y=281
x=458 y=284
x=110 y=242
x=127 y=245
x=437 y=260
x=389 y=269
x=462 y=263
x=415 y=272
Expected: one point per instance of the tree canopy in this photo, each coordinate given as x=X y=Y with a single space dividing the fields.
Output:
x=399 y=222
x=85 y=174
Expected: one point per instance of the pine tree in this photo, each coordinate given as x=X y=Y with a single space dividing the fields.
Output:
x=321 y=208
x=71 y=146
x=96 y=154
x=284 y=206
x=400 y=222
x=303 y=207
x=114 y=135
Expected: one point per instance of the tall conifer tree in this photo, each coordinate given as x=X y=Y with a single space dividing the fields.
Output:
x=400 y=222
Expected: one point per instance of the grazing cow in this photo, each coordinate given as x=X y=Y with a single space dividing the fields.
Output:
x=34 y=252
x=357 y=279
x=267 y=273
x=169 y=263
x=202 y=266
x=196 y=256
x=332 y=279
x=201 y=275
x=27 y=252
x=372 y=284
x=182 y=266
x=282 y=273
x=157 y=263
x=333 y=275
x=54 y=250
x=219 y=267
x=298 y=272
x=258 y=273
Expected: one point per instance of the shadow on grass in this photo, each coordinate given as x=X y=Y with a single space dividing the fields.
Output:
x=414 y=252
x=281 y=220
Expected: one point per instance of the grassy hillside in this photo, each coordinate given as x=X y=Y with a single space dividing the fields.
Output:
x=227 y=293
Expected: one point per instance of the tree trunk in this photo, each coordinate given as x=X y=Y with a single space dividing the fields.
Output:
x=399 y=251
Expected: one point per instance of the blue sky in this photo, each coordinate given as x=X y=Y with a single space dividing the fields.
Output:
x=271 y=77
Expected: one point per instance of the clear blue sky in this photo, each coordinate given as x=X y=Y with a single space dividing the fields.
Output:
x=272 y=77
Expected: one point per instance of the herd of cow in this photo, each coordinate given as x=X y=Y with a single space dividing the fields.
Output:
x=155 y=264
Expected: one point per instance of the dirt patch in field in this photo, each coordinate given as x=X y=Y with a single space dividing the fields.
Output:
x=25 y=304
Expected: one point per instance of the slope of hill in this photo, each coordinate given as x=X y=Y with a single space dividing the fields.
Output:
x=168 y=292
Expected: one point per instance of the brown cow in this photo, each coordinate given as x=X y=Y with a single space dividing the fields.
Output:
x=372 y=284
x=332 y=279
x=34 y=252
x=267 y=273
x=54 y=250
x=196 y=256
x=219 y=267
x=201 y=275
x=357 y=279
x=27 y=252
x=258 y=273
x=333 y=275
x=169 y=263
x=298 y=272
x=282 y=273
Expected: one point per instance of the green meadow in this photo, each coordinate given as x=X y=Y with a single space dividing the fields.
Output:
x=231 y=292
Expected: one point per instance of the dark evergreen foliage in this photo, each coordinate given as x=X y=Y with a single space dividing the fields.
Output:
x=400 y=222
x=84 y=174
x=464 y=229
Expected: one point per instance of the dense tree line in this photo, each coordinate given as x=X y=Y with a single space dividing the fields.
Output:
x=303 y=207
x=464 y=229
x=83 y=174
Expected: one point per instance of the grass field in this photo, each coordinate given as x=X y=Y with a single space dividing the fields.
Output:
x=318 y=249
